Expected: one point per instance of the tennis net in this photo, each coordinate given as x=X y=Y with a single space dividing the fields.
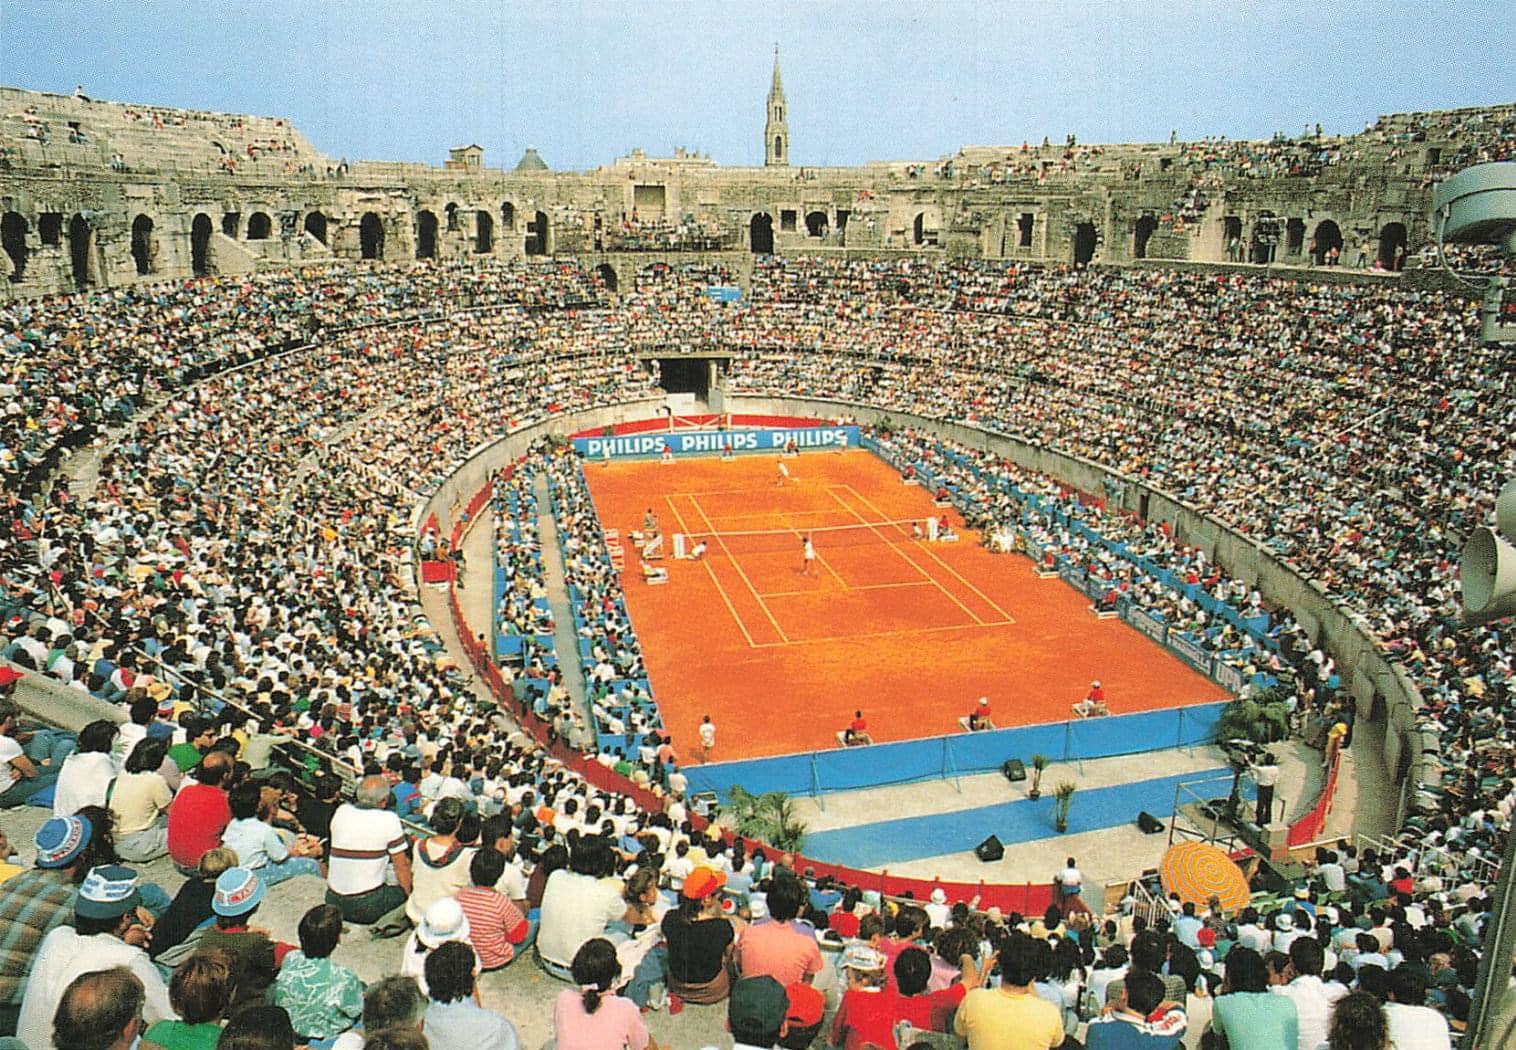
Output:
x=824 y=538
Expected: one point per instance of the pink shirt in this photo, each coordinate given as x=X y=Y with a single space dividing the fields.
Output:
x=778 y=950
x=616 y=1023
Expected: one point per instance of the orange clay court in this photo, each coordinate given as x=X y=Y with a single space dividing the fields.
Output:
x=912 y=632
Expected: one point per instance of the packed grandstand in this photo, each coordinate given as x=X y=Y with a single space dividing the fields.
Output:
x=240 y=566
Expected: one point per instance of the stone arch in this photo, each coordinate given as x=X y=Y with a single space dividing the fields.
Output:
x=507 y=215
x=13 y=230
x=371 y=236
x=200 y=245
x=816 y=224
x=315 y=225
x=1294 y=236
x=918 y=228
x=760 y=233
x=484 y=232
x=259 y=226
x=1265 y=239
x=451 y=213
x=426 y=234
x=1392 y=242
x=1142 y=232
x=607 y=274
x=538 y=235
x=1085 y=239
x=778 y=146
x=1327 y=236
x=142 y=244
x=81 y=246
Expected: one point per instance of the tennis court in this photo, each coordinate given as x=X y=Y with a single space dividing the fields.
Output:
x=911 y=631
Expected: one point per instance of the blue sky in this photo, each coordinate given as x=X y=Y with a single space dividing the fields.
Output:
x=587 y=81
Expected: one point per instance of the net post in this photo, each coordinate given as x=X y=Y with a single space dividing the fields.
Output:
x=949 y=770
x=816 y=784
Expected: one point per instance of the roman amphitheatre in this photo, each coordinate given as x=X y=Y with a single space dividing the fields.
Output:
x=503 y=483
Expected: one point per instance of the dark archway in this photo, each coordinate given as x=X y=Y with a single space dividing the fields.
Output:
x=142 y=244
x=259 y=226
x=816 y=224
x=231 y=222
x=426 y=235
x=607 y=274
x=1142 y=232
x=1392 y=241
x=484 y=232
x=200 y=245
x=918 y=228
x=13 y=227
x=1326 y=243
x=760 y=233
x=1265 y=241
x=1294 y=236
x=451 y=211
x=81 y=242
x=371 y=236
x=778 y=146
x=508 y=216
x=1085 y=239
x=315 y=225
x=537 y=235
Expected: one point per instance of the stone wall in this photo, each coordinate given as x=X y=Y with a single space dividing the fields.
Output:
x=288 y=205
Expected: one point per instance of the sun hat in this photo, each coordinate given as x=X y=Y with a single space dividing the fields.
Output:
x=444 y=921
x=1205 y=937
x=108 y=892
x=701 y=883
x=238 y=891
x=862 y=957
x=939 y=896
x=60 y=840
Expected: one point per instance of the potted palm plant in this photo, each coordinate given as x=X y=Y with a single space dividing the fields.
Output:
x=1039 y=763
x=1063 y=796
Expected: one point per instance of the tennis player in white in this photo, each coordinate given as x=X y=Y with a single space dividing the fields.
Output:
x=808 y=550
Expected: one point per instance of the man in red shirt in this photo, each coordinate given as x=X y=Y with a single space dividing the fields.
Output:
x=857 y=731
x=199 y=813
x=870 y=1009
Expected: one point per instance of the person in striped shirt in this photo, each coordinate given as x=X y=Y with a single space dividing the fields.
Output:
x=496 y=925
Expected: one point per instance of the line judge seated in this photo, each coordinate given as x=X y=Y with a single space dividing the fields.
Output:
x=1092 y=705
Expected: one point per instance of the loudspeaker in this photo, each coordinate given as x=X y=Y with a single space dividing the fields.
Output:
x=1013 y=770
x=990 y=849
x=1150 y=824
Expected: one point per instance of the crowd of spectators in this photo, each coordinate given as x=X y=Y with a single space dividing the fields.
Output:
x=249 y=539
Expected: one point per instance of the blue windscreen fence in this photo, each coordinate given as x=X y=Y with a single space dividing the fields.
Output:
x=933 y=758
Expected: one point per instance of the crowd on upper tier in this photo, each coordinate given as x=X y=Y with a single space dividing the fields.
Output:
x=249 y=533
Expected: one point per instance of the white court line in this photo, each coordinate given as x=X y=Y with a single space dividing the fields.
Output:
x=719 y=589
x=931 y=554
x=738 y=566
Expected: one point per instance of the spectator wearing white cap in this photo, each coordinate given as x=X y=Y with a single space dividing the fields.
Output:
x=111 y=928
x=938 y=911
x=442 y=922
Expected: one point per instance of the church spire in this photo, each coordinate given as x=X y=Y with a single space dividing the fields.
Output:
x=776 y=130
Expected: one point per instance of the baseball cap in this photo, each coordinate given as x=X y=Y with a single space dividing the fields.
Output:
x=939 y=896
x=238 y=891
x=1206 y=937
x=756 y=1004
x=60 y=840
x=108 y=892
x=701 y=883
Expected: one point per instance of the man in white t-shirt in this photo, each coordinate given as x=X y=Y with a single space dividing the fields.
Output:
x=20 y=777
x=1312 y=997
x=366 y=840
x=578 y=903
x=1413 y=1024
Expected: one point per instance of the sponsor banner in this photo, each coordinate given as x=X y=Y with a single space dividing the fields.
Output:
x=1147 y=623
x=723 y=293
x=1229 y=677
x=1191 y=650
x=713 y=442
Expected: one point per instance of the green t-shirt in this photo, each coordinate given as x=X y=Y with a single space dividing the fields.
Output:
x=176 y=1035
x=1256 y=1020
